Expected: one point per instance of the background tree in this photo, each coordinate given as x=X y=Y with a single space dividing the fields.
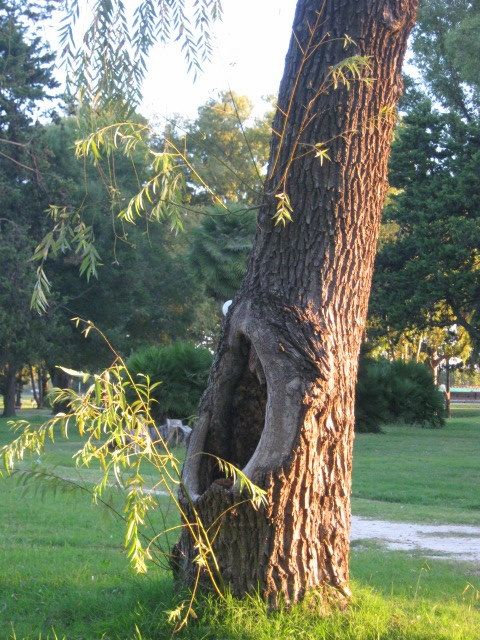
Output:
x=219 y=247
x=427 y=274
x=430 y=344
x=25 y=81
x=228 y=147
x=21 y=330
x=280 y=400
x=144 y=293
x=446 y=48
x=427 y=271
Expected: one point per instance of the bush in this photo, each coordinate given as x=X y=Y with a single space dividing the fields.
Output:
x=182 y=370
x=414 y=396
x=372 y=403
x=396 y=391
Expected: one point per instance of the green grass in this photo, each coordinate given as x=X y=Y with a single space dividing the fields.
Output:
x=62 y=567
x=62 y=564
x=372 y=616
x=421 y=475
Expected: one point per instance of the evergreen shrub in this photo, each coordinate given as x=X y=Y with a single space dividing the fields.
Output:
x=182 y=370
x=396 y=391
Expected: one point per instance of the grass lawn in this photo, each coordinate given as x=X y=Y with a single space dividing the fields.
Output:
x=62 y=565
x=420 y=475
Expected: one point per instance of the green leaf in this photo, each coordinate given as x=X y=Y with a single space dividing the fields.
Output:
x=75 y=374
x=284 y=211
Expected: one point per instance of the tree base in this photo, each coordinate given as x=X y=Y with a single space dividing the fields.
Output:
x=270 y=413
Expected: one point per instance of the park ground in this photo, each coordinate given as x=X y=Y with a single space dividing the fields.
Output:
x=62 y=567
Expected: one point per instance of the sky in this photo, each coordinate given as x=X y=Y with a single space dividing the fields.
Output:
x=249 y=47
x=248 y=57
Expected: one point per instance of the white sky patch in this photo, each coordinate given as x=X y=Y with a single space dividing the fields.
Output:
x=248 y=56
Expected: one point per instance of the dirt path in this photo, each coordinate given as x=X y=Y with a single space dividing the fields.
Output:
x=458 y=542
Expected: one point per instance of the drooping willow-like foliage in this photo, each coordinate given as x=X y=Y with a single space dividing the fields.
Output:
x=108 y=59
x=130 y=459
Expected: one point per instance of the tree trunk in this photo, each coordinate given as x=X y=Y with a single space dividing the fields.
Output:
x=40 y=391
x=434 y=362
x=447 y=389
x=419 y=349
x=9 y=394
x=34 y=387
x=42 y=386
x=18 y=393
x=60 y=380
x=280 y=399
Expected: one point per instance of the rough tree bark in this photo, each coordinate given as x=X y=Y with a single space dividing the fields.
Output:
x=280 y=400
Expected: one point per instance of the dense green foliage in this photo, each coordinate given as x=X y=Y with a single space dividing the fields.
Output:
x=389 y=391
x=227 y=151
x=25 y=82
x=219 y=247
x=182 y=370
x=446 y=47
x=24 y=335
x=143 y=292
x=26 y=76
x=427 y=273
